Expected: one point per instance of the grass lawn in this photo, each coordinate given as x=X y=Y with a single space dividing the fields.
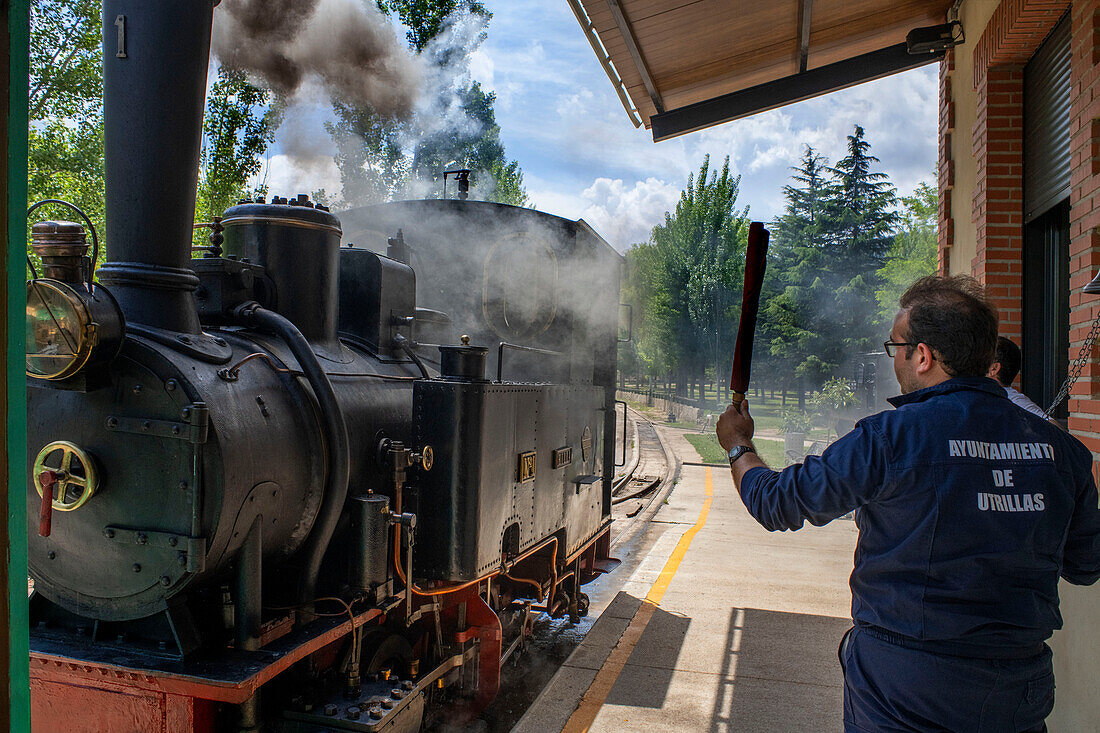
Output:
x=767 y=417
x=706 y=445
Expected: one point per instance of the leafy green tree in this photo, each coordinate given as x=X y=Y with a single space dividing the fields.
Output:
x=913 y=253
x=369 y=154
x=508 y=184
x=654 y=344
x=426 y=18
x=696 y=258
x=238 y=126
x=65 y=108
x=66 y=81
x=476 y=146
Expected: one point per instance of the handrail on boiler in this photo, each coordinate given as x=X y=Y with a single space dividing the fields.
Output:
x=518 y=347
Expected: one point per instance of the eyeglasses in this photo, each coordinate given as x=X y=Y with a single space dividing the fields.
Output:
x=891 y=346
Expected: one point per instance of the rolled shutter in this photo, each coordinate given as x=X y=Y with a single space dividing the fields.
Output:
x=1046 y=123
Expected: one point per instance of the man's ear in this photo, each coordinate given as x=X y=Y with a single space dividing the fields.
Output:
x=995 y=371
x=925 y=358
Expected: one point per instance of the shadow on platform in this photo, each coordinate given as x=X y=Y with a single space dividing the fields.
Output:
x=658 y=651
x=779 y=672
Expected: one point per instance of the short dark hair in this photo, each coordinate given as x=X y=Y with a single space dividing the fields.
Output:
x=952 y=316
x=1008 y=356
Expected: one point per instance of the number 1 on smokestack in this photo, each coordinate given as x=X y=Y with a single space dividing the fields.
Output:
x=755 y=261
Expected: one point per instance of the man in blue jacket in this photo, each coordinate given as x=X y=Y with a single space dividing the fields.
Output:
x=969 y=509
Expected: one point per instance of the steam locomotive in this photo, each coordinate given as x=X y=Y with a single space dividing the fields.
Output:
x=277 y=486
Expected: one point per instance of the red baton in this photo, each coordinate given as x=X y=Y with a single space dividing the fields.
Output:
x=755 y=262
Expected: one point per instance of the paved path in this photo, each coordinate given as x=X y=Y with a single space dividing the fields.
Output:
x=722 y=625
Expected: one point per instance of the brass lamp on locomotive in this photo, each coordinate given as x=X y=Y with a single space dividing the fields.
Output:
x=277 y=486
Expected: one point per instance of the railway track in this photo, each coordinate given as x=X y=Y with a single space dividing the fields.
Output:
x=645 y=477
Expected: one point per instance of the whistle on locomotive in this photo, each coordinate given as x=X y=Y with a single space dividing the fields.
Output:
x=755 y=263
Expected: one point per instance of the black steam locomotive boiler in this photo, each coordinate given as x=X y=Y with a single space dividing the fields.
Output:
x=320 y=476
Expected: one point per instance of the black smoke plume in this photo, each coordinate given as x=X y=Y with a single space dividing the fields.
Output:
x=348 y=45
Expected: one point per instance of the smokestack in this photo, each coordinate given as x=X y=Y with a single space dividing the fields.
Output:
x=154 y=86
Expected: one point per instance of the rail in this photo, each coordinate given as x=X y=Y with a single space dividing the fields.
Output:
x=628 y=476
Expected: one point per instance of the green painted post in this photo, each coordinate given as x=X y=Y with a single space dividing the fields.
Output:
x=15 y=392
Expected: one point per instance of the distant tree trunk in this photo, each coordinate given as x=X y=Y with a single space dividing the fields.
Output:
x=801 y=395
x=784 y=393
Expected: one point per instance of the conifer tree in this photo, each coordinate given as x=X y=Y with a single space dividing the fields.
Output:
x=832 y=240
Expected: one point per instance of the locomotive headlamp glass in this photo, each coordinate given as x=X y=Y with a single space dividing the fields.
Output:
x=60 y=332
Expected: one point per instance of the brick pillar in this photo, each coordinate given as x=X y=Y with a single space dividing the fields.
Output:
x=946 y=223
x=1084 y=215
x=998 y=192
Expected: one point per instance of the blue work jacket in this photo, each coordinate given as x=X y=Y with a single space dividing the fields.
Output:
x=968 y=508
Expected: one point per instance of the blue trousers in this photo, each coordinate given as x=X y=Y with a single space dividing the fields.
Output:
x=890 y=689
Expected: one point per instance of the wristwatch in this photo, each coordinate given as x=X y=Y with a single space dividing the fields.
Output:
x=739 y=450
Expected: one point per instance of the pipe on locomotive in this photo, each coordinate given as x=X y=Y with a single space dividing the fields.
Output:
x=155 y=58
x=334 y=431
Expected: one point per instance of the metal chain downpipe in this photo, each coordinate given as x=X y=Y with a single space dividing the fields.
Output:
x=1076 y=367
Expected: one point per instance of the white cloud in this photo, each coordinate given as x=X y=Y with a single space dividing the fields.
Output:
x=625 y=214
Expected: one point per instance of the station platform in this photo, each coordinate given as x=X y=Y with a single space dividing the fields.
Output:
x=722 y=625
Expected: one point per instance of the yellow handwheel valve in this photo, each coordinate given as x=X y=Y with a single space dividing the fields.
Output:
x=75 y=468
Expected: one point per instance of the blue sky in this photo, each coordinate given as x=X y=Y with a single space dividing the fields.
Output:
x=582 y=158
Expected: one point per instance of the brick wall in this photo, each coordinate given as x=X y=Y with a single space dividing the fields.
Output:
x=1084 y=217
x=997 y=203
x=1014 y=32
x=1011 y=37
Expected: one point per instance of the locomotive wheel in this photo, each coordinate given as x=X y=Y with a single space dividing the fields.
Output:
x=383 y=650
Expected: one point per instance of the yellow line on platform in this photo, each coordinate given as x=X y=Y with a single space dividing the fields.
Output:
x=597 y=692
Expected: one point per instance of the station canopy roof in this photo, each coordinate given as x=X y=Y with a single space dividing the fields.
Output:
x=683 y=65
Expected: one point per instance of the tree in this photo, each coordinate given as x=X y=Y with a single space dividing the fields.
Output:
x=799 y=282
x=804 y=222
x=370 y=157
x=864 y=215
x=239 y=124
x=653 y=345
x=426 y=18
x=65 y=107
x=913 y=253
x=476 y=145
x=65 y=78
x=698 y=254
x=380 y=158
x=833 y=240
